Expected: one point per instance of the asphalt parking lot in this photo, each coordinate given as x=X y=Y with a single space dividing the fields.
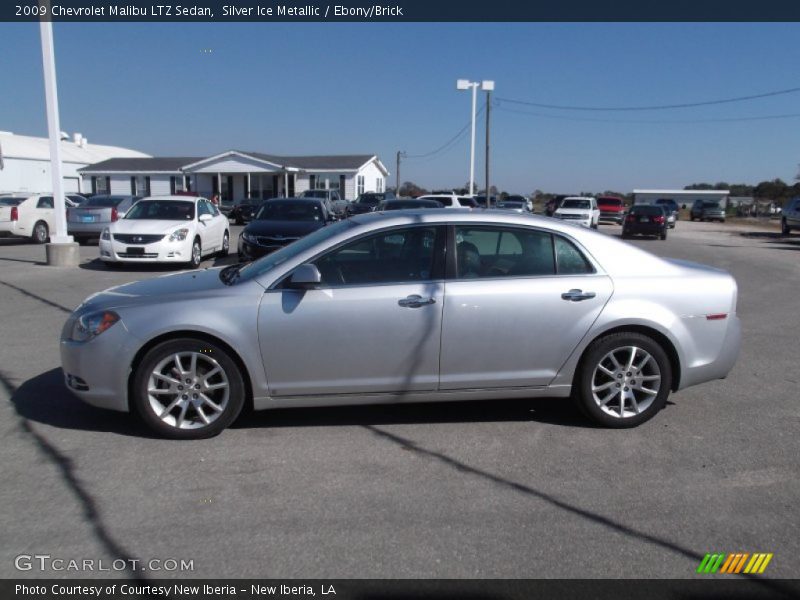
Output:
x=501 y=489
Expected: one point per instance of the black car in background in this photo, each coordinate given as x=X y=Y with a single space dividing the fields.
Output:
x=408 y=203
x=367 y=202
x=244 y=210
x=280 y=222
x=481 y=201
x=645 y=219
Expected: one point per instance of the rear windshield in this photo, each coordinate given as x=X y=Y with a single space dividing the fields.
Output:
x=370 y=200
x=104 y=201
x=576 y=204
x=647 y=210
x=11 y=201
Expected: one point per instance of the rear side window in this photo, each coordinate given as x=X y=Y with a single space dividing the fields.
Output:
x=45 y=202
x=445 y=201
x=569 y=259
x=484 y=252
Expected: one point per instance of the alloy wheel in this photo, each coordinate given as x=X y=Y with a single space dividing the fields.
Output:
x=625 y=382
x=188 y=390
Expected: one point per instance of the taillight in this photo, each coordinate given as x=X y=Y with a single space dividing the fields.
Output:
x=658 y=220
x=114 y=214
x=630 y=218
x=14 y=213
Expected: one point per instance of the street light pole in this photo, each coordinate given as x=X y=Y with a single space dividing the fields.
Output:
x=400 y=154
x=62 y=250
x=465 y=84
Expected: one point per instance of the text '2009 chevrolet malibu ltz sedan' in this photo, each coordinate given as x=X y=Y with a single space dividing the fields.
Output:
x=439 y=304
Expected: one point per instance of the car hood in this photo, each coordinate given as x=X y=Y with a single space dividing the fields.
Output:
x=583 y=212
x=611 y=207
x=147 y=226
x=286 y=228
x=171 y=287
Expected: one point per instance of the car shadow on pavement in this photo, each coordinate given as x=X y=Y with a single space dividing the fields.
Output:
x=45 y=399
x=778 y=240
x=158 y=268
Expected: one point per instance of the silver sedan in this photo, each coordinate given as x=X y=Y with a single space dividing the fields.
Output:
x=436 y=305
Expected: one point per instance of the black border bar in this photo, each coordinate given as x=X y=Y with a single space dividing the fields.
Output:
x=177 y=11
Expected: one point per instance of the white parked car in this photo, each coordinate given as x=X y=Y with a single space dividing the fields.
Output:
x=29 y=215
x=452 y=200
x=166 y=229
x=581 y=210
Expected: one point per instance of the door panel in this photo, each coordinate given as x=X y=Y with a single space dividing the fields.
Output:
x=347 y=340
x=514 y=332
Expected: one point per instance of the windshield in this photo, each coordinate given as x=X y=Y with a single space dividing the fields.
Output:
x=646 y=210
x=290 y=211
x=104 y=201
x=165 y=210
x=370 y=200
x=270 y=261
x=710 y=204
x=575 y=204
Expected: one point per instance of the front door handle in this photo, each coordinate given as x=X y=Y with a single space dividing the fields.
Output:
x=415 y=301
x=577 y=295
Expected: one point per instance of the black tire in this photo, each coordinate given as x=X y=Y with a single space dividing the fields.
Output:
x=691 y=217
x=231 y=404
x=197 y=254
x=40 y=233
x=625 y=235
x=82 y=241
x=600 y=348
x=785 y=229
x=226 y=245
x=663 y=235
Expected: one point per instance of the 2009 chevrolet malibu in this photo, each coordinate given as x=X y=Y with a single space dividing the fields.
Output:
x=436 y=304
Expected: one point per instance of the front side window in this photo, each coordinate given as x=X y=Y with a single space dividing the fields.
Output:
x=483 y=252
x=203 y=208
x=396 y=256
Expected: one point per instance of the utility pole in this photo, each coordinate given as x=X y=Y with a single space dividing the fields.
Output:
x=488 y=86
x=400 y=154
x=466 y=84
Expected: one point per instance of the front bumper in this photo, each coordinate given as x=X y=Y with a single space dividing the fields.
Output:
x=250 y=251
x=162 y=251
x=611 y=217
x=97 y=371
x=584 y=221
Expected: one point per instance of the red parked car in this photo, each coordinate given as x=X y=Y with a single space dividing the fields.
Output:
x=612 y=209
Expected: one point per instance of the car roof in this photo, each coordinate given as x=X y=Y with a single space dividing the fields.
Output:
x=183 y=198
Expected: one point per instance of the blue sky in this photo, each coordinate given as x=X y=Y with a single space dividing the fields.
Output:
x=378 y=88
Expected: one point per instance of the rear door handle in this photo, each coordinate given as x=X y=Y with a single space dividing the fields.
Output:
x=415 y=301
x=577 y=295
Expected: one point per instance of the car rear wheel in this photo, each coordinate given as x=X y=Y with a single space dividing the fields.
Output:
x=226 y=245
x=785 y=229
x=40 y=233
x=623 y=380
x=188 y=389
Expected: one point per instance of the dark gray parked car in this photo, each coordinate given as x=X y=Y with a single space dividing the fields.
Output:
x=707 y=210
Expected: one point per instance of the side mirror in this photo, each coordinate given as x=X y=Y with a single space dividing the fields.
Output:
x=305 y=277
x=205 y=218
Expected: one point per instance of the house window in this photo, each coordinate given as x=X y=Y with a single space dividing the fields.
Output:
x=101 y=185
x=175 y=184
x=379 y=184
x=360 y=185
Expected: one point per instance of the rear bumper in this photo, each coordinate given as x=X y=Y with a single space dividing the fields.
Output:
x=643 y=229
x=724 y=361
x=85 y=228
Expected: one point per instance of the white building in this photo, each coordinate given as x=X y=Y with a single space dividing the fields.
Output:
x=236 y=175
x=25 y=161
x=682 y=197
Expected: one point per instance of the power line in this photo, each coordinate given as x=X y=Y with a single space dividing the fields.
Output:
x=657 y=106
x=449 y=142
x=651 y=121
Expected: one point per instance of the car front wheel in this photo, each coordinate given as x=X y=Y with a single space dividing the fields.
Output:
x=197 y=254
x=226 y=245
x=188 y=389
x=623 y=380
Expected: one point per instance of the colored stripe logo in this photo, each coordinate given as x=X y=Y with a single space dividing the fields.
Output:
x=734 y=563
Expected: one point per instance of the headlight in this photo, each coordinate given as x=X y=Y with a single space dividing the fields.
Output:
x=106 y=235
x=179 y=235
x=248 y=237
x=91 y=325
